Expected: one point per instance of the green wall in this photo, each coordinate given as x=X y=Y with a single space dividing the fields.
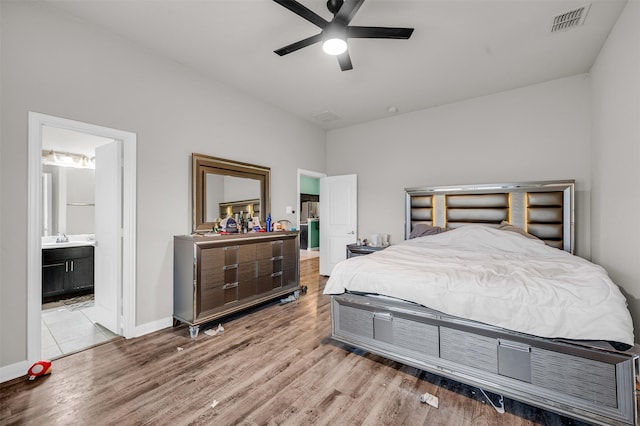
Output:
x=309 y=185
x=314 y=233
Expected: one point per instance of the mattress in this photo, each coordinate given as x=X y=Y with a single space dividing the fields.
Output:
x=496 y=277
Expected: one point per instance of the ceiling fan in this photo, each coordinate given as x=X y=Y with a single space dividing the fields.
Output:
x=335 y=33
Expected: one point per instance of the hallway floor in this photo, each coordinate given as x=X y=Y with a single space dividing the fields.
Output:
x=309 y=254
x=70 y=328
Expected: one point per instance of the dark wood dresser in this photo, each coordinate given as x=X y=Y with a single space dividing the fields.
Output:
x=214 y=276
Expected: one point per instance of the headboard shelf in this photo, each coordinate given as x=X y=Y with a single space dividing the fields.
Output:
x=543 y=209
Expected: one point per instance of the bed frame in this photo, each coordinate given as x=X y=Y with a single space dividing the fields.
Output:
x=590 y=381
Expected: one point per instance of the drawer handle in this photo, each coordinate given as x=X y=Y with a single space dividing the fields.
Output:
x=386 y=316
x=277 y=258
x=235 y=266
x=231 y=248
x=276 y=274
x=514 y=345
x=276 y=242
x=230 y=285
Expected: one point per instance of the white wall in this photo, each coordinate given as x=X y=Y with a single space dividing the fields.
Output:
x=615 y=79
x=534 y=133
x=57 y=65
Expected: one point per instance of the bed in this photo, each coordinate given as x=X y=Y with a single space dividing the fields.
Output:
x=486 y=290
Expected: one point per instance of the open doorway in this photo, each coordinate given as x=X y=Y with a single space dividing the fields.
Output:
x=309 y=212
x=68 y=320
x=116 y=303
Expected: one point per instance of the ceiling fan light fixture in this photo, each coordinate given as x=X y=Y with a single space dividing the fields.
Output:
x=334 y=46
x=336 y=32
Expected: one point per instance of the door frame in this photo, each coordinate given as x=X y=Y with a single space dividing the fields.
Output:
x=309 y=173
x=34 y=204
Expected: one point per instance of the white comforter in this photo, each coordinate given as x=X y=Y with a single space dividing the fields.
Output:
x=496 y=277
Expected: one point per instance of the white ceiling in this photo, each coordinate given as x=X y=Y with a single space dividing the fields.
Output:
x=459 y=49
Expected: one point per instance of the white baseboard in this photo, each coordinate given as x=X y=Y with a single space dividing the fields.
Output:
x=150 y=327
x=14 y=371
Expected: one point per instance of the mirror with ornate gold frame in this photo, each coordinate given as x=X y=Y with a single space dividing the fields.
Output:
x=221 y=187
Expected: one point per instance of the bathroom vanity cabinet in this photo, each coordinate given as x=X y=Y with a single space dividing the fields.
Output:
x=67 y=270
x=218 y=275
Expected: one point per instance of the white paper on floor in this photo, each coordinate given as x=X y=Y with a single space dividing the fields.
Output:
x=212 y=332
x=427 y=398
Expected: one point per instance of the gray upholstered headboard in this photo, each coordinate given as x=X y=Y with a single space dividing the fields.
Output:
x=544 y=209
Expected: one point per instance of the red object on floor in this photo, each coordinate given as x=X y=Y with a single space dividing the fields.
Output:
x=38 y=369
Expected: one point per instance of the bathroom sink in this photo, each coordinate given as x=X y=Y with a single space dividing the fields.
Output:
x=67 y=244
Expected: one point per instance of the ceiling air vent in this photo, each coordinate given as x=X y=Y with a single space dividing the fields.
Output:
x=325 y=116
x=570 y=19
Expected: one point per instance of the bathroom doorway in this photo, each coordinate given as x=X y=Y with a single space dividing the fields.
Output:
x=69 y=322
x=80 y=320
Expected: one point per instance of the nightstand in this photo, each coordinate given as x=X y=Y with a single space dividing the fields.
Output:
x=354 y=250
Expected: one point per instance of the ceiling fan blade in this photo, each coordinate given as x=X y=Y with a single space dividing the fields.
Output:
x=303 y=12
x=345 y=61
x=299 y=45
x=379 y=32
x=348 y=11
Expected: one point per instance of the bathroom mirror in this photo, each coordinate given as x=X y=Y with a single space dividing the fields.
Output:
x=221 y=187
x=68 y=200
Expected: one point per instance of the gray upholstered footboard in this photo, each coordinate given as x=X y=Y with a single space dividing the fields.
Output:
x=586 y=383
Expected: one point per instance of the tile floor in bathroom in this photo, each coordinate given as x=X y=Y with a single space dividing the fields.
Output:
x=69 y=329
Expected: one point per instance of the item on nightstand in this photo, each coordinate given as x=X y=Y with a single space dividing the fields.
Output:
x=268 y=222
x=375 y=240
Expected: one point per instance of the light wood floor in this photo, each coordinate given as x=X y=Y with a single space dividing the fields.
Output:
x=273 y=365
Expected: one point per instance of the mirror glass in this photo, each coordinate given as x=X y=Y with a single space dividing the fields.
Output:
x=67 y=200
x=223 y=187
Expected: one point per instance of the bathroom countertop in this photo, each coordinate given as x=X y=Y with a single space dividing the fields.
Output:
x=78 y=240
x=67 y=244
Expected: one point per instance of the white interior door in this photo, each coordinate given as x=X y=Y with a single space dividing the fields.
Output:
x=338 y=219
x=108 y=252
